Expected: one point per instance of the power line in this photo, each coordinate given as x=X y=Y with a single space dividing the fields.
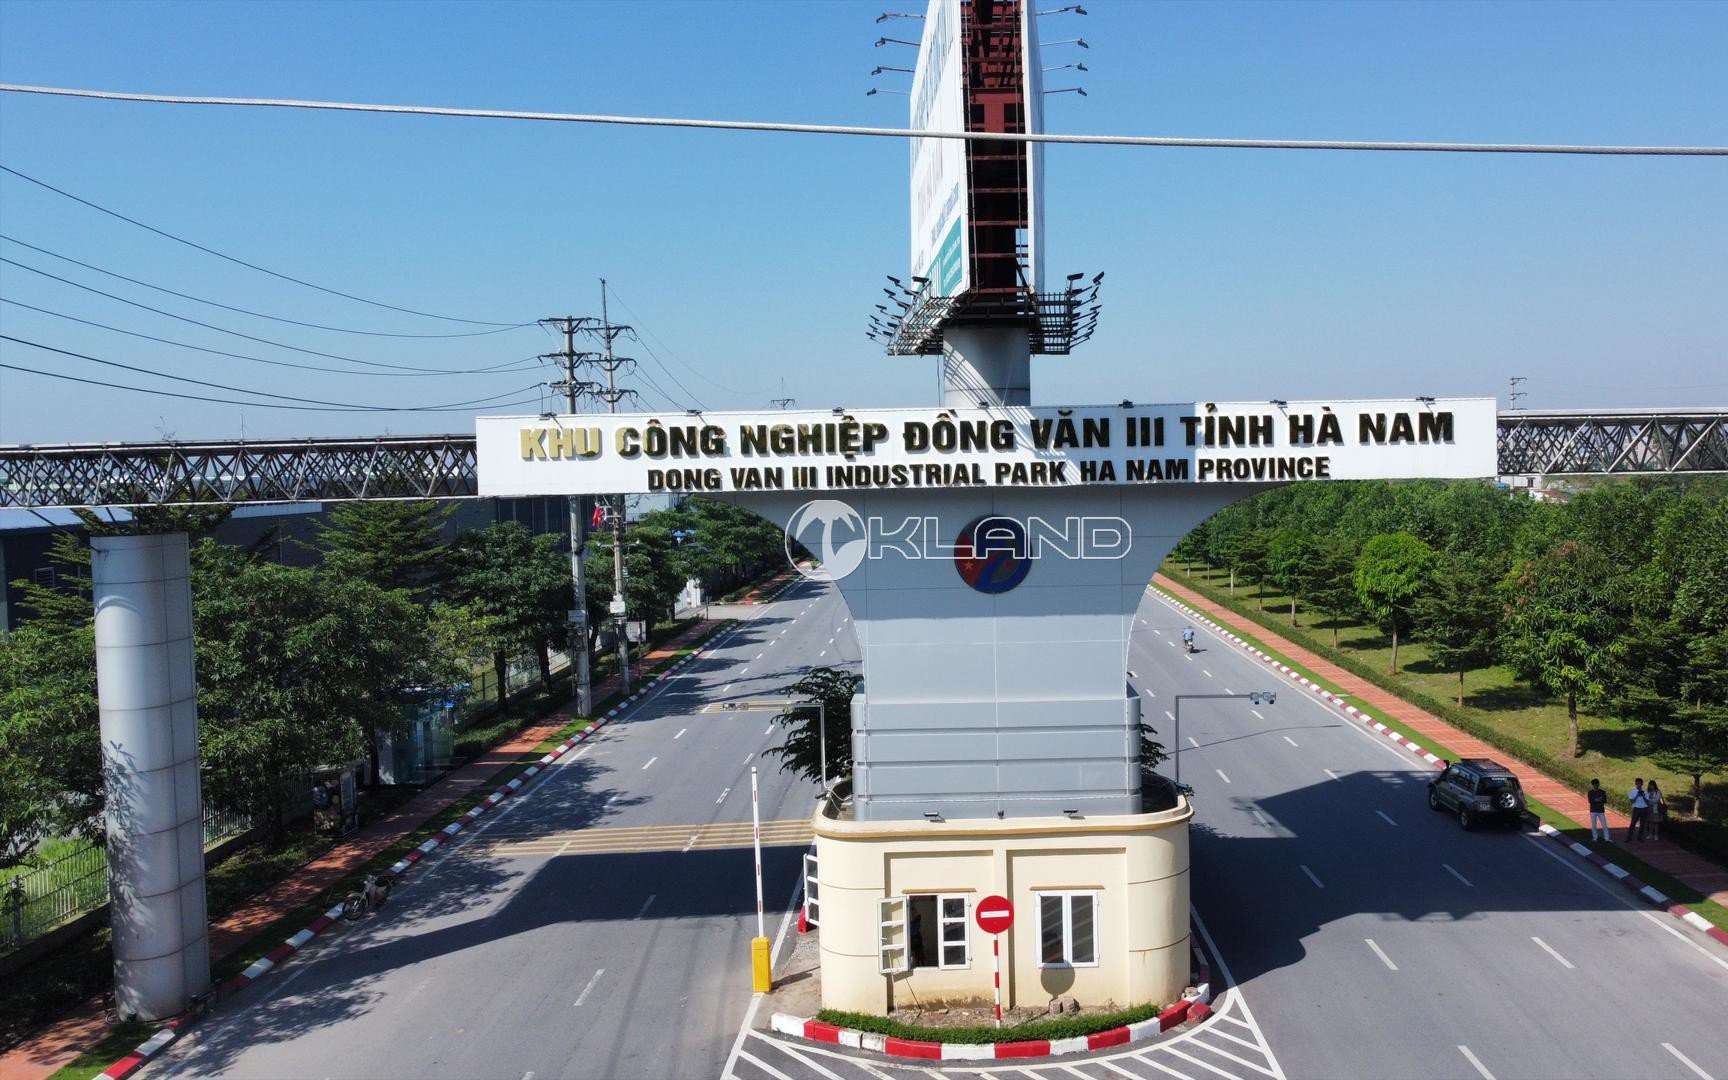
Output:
x=893 y=133
x=243 y=262
x=246 y=311
x=230 y=401
x=670 y=352
x=452 y=406
x=213 y=326
x=506 y=366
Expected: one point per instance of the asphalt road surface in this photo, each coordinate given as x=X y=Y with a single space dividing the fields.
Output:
x=599 y=927
x=1376 y=938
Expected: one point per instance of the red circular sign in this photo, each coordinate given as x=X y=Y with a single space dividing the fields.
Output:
x=995 y=914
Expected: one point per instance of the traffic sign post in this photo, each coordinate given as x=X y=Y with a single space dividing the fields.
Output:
x=995 y=915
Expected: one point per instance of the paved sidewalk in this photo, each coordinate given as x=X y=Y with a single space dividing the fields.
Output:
x=54 y=1047
x=1694 y=871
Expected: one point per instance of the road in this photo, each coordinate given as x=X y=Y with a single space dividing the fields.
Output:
x=599 y=927
x=1376 y=937
x=1370 y=936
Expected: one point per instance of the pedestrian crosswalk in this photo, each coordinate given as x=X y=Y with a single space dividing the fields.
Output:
x=729 y=834
x=1227 y=1046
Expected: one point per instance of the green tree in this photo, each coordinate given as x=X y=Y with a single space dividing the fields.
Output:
x=1296 y=562
x=1391 y=572
x=393 y=545
x=293 y=673
x=801 y=753
x=1459 y=616
x=1677 y=695
x=50 y=737
x=517 y=587
x=1333 y=590
x=1563 y=614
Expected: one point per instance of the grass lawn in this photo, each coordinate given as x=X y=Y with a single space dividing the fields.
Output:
x=1491 y=695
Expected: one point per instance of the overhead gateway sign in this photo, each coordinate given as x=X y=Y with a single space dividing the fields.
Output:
x=940 y=238
x=1047 y=446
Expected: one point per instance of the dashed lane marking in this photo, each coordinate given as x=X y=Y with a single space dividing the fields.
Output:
x=681 y=732
x=1688 y=1062
x=1192 y=743
x=1457 y=875
x=1386 y=819
x=722 y=797
x=1221 y=775
x=1549 y=949
x=1311 y=876
x=1475 y=1062
x=1291 y=741
x=1381 y=953
x=589 y=989
x=1332 y=774
x=651 y=761
x=646 y=904
x=1206 y=673
x=1256 y=713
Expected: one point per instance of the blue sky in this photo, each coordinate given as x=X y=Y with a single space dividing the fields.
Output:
x=752 y=260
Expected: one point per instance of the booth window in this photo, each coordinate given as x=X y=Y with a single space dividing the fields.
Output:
x=922 y=930
x=1068 y=929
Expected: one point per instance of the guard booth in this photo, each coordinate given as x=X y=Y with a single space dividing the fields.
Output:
x=421 y=751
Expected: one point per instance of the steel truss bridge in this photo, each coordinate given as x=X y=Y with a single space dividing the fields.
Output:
x=1625 y=442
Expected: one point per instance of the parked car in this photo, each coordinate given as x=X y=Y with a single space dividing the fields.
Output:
x=1477 y=789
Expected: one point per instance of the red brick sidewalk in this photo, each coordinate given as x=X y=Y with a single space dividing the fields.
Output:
x=1710 y=879
x=55 y=1046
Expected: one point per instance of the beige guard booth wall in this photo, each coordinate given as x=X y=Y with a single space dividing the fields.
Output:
x=1137 y=863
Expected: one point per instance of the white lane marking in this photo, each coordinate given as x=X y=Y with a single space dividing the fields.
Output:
x=1220 y=773
x=758 y=656
x=1291 y=741
x=1386 y=819
x=1549 y=949
x=1155 y=630
x=760 y=1064
x=1456 y=874
x=1311 y=876
x=651 y=761
x=1662 y=922
x=1332 y=774
x=1256 y=713
x=748 y=756
x=1381 y=953
x=743 y=671
x=1229 y=691
x=821 y=654
x=529 y=1075
x=770 y=730
x=722 y=797
x=582 y=751
x=1235 y=995
x=1260 y=818
x=1686 y=1061
x=681 y=732
x=1208 y=674
x=1171 y=715
x=830 y=641
x=782 y=633
x=586 y=990
x=612 y=798
x=695 y=836
x=1471 y=1058
x=646 y=904
x=725 y=688
x=1192 y=743
x=810 y=1063
x=1172 y=644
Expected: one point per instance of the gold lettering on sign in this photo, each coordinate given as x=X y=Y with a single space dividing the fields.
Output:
x=559 y=443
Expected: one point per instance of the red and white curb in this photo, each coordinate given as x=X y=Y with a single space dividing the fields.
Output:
x=1195 y=1005
x=1649 y=892
x=171 y=1029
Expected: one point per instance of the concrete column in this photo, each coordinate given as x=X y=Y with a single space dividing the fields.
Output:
x=986 y=365
x=149 y=708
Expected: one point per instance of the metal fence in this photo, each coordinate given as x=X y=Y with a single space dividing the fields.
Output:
x=74 y=880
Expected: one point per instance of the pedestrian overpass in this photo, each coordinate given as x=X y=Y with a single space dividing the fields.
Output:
x=1590 y=442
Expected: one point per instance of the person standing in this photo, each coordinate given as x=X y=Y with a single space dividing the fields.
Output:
x=1658 y=809
x=1598 y=810
x=1640 y=801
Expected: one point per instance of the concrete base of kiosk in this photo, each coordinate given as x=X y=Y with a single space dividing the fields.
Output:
x=1135 y=865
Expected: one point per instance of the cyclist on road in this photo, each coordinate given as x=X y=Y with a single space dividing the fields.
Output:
x=1188 y=638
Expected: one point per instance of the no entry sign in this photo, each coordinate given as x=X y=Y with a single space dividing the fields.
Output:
x=995 y=914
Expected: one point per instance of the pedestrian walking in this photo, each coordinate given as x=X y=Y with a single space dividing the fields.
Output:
x=1598 y=810
x=1640 y=801
x=1658 y=809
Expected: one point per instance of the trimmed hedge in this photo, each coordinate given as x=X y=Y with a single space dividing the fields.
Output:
x=1066 y=1028
x=1705 y=838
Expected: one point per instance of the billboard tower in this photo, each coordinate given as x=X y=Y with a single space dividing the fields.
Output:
x=976 y=296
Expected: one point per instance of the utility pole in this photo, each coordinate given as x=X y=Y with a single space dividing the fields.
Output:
x=612 y=395
x=1513 y=393
x=571 y=388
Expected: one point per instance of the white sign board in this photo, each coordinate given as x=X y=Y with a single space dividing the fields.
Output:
x=940 y=240
x=1019 y=447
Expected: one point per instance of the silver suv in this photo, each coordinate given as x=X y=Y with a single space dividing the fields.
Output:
x=1477 y=789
